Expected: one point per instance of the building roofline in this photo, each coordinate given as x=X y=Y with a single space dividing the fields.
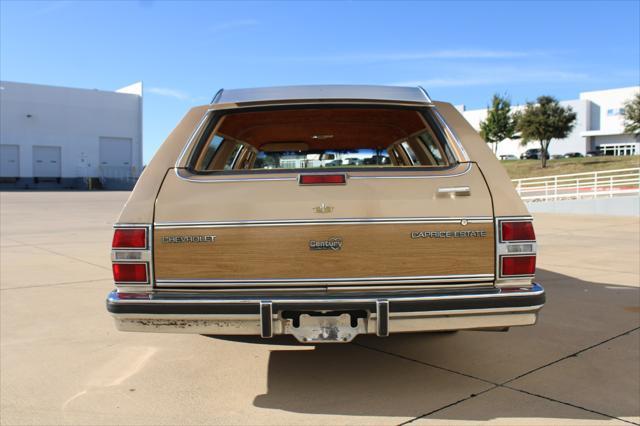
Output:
x=3 y=82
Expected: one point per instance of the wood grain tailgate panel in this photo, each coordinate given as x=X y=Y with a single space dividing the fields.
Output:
x=282 y=252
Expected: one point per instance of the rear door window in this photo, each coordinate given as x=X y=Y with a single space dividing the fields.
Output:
x=316 y=138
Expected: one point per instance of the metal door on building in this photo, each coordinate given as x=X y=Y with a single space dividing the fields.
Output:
x=115 y=157
x=47 y=162
x=9 y=161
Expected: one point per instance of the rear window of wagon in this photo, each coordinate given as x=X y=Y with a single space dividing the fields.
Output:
x=321 y=138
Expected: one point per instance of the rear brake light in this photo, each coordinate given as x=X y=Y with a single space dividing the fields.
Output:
x=130 y=238
x=517 y=231
x=332 y=179
x=518 y=265
x=130 y=272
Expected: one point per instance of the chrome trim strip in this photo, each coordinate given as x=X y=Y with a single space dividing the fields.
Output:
x=341 y=221
x=463 y=172
x=465 y=312
x=258 y=179
x=372 y=289
x=295 y=281
x=187 y=146
x=452 y=134
x=535 y=290
x=392 y=315
x=294 y=178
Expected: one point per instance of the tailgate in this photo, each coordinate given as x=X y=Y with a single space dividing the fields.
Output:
x=267 y=231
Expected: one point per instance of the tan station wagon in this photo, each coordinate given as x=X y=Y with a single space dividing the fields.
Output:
x=323 y=212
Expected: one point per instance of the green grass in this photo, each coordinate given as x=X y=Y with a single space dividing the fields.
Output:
x=532 y=168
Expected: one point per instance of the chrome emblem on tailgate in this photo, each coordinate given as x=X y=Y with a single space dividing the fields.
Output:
x=323 y=208
x=333 y=243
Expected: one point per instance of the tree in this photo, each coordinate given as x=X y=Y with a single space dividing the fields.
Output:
x=632 y=116
x=543 y=121
x=500 y=124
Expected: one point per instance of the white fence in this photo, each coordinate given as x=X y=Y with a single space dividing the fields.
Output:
x=579 y=186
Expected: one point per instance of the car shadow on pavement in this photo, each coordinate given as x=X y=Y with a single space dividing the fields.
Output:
x=409 y=375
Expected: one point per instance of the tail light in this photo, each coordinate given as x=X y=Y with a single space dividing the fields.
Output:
x=131 y=257
x=517 y=231
x=125 y=238
x=518 y=265
x=319 y=179
x=515 y=251
x=130 y=272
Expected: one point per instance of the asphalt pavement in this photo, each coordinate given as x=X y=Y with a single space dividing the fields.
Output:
x=63 y=362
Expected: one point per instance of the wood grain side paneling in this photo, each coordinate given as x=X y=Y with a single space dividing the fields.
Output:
x=282 y=252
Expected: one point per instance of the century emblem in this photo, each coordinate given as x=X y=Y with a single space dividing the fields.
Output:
x=333 y=243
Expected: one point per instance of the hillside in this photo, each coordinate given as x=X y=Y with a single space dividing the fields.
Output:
x=531 y=168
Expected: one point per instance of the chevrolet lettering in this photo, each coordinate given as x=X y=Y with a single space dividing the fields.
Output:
x=188 y=239
x=323 y=213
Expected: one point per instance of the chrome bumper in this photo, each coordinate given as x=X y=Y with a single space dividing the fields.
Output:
x=202 y=314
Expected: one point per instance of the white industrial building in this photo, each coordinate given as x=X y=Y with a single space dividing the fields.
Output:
x=65 y=137
x=599 y=125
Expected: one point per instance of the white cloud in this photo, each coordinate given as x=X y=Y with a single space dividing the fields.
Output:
x=170 y=93
x=496 y=76
x=232 y=25
x=52 y=6
x=413 y=56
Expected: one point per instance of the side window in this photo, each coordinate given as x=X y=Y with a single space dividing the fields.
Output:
x=210 y=151
x=433 y=147
x=231 y=159
x=412 y=155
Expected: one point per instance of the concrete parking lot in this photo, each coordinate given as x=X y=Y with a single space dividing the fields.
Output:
x=63 y=362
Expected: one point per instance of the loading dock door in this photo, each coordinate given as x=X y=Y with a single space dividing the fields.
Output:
x=47 y=162
x=9 y=161
x=115 y=157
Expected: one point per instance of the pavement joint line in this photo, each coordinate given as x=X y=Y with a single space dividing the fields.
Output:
x=570 y=355
x=55 y=284
x=569 y=404
x=473 y=395
x=67 y=256
x=469 y=376
x=504 y=384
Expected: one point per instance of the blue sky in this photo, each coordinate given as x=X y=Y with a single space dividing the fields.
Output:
x=462 y=52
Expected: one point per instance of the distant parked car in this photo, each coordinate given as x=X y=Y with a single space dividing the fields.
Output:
x=508 y=157
x=532 y=154
x=573 y=155
x=594 y=154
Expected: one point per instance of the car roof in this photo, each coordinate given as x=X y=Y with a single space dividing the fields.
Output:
x=323 y=93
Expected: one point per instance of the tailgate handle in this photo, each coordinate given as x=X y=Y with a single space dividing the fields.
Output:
x=454 y=190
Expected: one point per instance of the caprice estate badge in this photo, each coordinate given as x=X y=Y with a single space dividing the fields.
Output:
x=448 y=234
x=178 y=239
x=333 y=243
